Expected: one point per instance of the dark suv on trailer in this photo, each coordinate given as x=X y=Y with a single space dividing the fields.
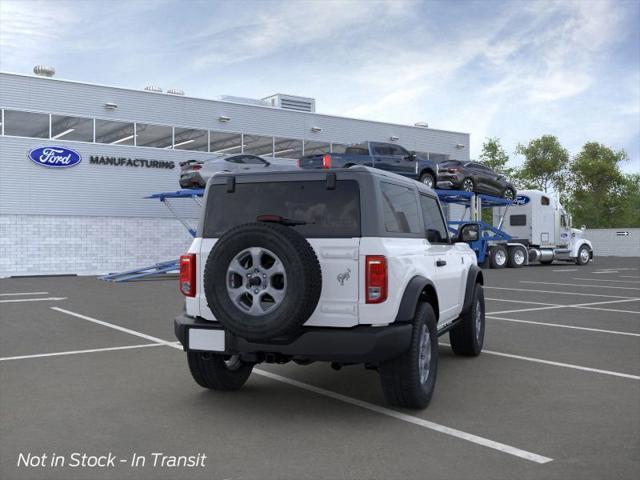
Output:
x=474 y=177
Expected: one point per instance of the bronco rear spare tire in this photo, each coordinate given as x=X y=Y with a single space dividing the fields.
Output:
x=262 y=281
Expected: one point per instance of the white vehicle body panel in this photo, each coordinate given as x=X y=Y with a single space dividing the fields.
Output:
x=342 y=302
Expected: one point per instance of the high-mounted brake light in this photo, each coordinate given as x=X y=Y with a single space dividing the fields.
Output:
x=188 y=275
x=376 y=278
x=326 y=161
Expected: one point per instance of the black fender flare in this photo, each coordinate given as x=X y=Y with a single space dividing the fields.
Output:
x=412 y=295
x=430 y=171
x=473 y=276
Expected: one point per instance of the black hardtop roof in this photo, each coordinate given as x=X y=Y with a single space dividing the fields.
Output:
x=301 y=175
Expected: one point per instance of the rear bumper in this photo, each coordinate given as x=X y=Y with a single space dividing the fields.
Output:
x=361 y=344
x=449 y=180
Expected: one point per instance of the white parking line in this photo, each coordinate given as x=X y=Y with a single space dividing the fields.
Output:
x=410 y=419
x=566 y=270
x=118 y=327
x=611 y=310
x=47 y=299
x=588 y=306
x=369 y=406
x=559 y=364
x=629 y=276
x=75 y=352
x=587 y=329
x=580 y=285
x=607 y=280
x=606 y=271
x=518 y=301
x=23 y=293
x=556 y=292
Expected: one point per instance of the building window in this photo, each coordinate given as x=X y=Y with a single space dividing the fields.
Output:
x=26 y=124
x=191 y=139
x=400 y=209
x=287 y=148
x=114 y=133
x=258 y=145
x=71 y=128
x=316 y=148
x=225 y=143
x=438 y=157
x=157 y=136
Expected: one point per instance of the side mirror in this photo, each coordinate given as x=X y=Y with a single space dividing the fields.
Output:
x=469 y=233
x=411 y=156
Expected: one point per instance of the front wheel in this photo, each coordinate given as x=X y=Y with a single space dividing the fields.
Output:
x=218 y=372
x=409 y=380
x=467 y=337
x=584 y=255
x=468 y=185
x=509 y=194
x=428 y=180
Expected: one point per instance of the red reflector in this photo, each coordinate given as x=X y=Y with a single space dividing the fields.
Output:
x=188 y=275
x=326 y=161
x=376 y=278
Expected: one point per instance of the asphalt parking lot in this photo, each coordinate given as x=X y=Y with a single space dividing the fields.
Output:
x=88 y=366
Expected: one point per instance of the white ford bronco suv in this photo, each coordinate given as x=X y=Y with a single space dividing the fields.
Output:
x=346 y=266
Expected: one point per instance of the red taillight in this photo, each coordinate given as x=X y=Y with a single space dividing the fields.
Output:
x=454 y=170
x=376 y=278
x=299 y=163
x=188 y=275
x=326 y=161
x=196 y=167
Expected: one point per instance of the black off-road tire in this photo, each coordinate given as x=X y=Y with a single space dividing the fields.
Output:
x=513 y=260
x=400 y=377
x=426 y=176
x=498 y=256
x=218 y=372
x=467 y=337
x=303 y=281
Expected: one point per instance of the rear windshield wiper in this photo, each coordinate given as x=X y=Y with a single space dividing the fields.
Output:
x=289 y=222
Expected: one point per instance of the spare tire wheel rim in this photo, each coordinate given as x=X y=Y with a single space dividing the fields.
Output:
x=424 y=354
x=256 y=281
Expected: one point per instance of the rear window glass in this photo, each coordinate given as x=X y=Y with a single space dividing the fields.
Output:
x=327 y=213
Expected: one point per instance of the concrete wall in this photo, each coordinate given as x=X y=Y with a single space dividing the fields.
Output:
x=607 y=242
x=84 y=245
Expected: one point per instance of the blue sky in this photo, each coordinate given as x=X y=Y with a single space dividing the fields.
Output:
x=513 y=69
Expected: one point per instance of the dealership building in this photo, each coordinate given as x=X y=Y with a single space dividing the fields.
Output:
x=92 y=217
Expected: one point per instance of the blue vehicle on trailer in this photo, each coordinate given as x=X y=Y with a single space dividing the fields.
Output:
x=492 y=245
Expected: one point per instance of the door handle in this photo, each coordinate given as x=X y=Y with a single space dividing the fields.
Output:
x=441 y=263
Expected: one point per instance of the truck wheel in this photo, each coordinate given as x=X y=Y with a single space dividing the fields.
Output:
x=218 y=372
x=262 y=281
x=409 y=380
x=428 y=180
x=583 y=255
x=517 y=257
x=467 y=337
x=498 y=256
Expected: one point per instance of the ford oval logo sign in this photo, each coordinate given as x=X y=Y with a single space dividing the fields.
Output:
x=521 y=200
x=55 y=157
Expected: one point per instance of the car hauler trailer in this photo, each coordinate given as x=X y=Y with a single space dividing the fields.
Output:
x=533 y=228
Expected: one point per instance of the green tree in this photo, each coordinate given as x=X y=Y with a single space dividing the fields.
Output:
x=545 y=164
x=495 y=157
x=600 y=195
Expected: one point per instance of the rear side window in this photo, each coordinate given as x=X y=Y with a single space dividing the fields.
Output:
x=400 y=209
x=518 y=220
x=327 y=213
x=356 y=151
x=435 y=228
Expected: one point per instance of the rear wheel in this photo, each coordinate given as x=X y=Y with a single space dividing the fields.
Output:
x=409 y=380
x=428 y=180
x=498 y=256
x=517 y=257
x=467 y=337
x=218 y=372
x=468 y=185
